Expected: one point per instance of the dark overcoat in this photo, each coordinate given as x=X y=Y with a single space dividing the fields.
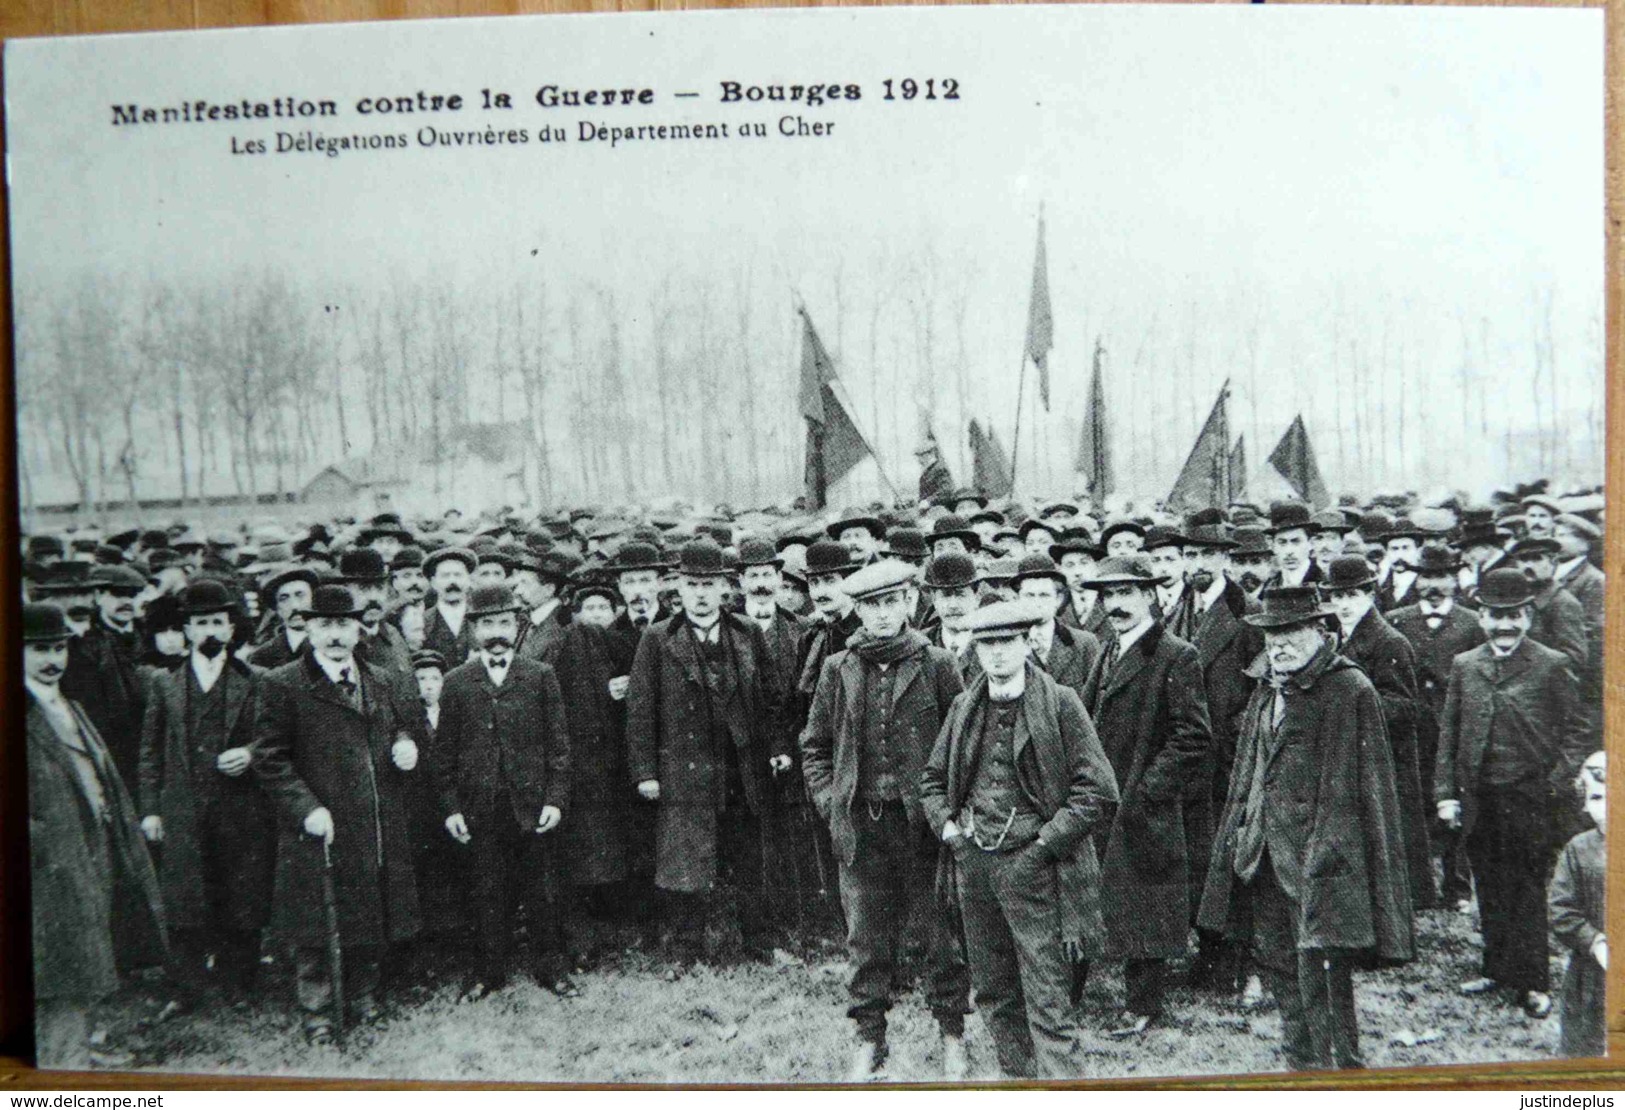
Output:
x=103 y=677
x=1560 y=622
x=1532 y=690
x=1150 y=712
x=386 y=649
x=832 y=741
x=438 y=636
x=596 y=835
x=1095 y=623
x=668 y=740
x=1065 y=777
x=1389 y=661
x=1072 y=657
x=180 y=783
x=318 y=749
x=1436 y=649
x=510 y=739
x=1331 y=815
x=535 y=640
x=97 y=913
x=275 y=652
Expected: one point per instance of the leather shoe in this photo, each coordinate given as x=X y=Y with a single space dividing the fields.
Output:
x=1537 y=1004
x=1479 y=986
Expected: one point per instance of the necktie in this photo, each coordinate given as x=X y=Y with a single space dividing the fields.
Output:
x=347 y=683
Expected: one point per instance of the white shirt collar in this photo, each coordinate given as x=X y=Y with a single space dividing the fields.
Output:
x=706 y=632
x=433 y=713
x=1010 y=689
x=50 y=695
x=497 y=668
x=1297 y=580
x=1213 y=592
x=453 y=615
x=335 y=672
x=1170 y=594
x=1440 y=610
x=208 y=671
x=1126 y=640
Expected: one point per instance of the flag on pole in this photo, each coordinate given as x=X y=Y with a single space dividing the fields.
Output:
x=989 y=463
x=1040 y=321
x=1238 y=470
x=1204 y=481
x=834 y=444
x=936 y=481
x=1094 y=458
x=1294 y=458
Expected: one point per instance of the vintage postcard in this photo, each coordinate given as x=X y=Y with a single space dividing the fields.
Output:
x=842 y=546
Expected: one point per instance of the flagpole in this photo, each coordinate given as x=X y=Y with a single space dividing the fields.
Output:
x=1015 y=440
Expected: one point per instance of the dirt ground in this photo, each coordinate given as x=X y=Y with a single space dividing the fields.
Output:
x=786 y=1023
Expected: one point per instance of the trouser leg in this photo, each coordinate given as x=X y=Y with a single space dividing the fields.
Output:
x=1458 y=874
x=1275 y=946
x=495 y=860
x=947 y=978
x=1144 y=982
x=995 y=970
x=61 y=1034
x=739 y=847
x=1508 y=854
x=1326 y=990
x=1027 y=883
x=551 y=915
x=876 y=912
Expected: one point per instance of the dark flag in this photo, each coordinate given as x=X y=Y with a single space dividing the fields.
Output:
x=1204 y=481
x=990 y=464
x=834 y=444
x=936 y=481
x=1238 y=470
x=1295 y=459
x=1094 y=459
x=1040 y=321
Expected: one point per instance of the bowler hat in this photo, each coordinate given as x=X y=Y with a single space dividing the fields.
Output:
x=1074 y=541
x=1124 y=570
x=1001 y=571
x=187 y=541
x=154 y=537
x=1374 y=526
x=1250 y=541
x=1349 y=572
x=491 y=598
x=1285 y=606
x=1058 y=507
x=44 y=623
x=1404 y=528
x=206 y=595
x=277 y=579
x=1505 y=588
x=986 y=516
x=907 y=543
x=428 y=657
x=883 y=577
x=1123 y=524
x=41 y=546
x=69 y=576
x=636 y=555
x=1329 y=520
x=702 y=558
x=965 y=493
x=854 y=518
x=1039 y=566
x=1287 y=515
x=791 y=539
x=117 y=577
x=1004 y=620
x=163 y=614
x=333 y=599
x=1436 y=558
x=1161 y=535
x=407 y=558
x=462 y=554
x=951 y=527
x=952 y=571
x=1532 y=546
x=362 y=565
x=1032 y=524
x=754 y=551
x=828 y=557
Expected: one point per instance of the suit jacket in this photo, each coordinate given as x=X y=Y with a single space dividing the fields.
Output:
x=1436 y=648
x=1589 y=587
x=1225 y=647
x=1330 y=812
x=667 y=709
x=438 y=636
x=536 y=639
x=103 y=677
x=1063 y=773
x=386 y=650
x=1387 y=599
x=510 y=739
x=1150 y=711
x=1072 y=656
x=1532 y=690
x=275 y=652
x=1560 y=623
x=832 y=741
x=180 y=783
x=318 y=748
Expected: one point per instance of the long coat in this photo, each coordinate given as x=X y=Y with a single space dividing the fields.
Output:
x=97 y=913
x=1331 y=815
x=1436 y=649
x=1578 y=916
x=438 y=636
x=536 y=639
x=387 y=649
x=596 y=835
x=103 y=677
x=318 y=749
x=667 y=740
x=832 y=742
x=1065 y=776
x=1150 y=712
x=1533 y=690
x=1072 y=657
x=1389 y=661
x=511 y=739
x=180 y=783
x=275 y=652
x=1560 y=623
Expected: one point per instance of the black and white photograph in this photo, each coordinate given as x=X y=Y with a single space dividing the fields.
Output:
x=932 y=545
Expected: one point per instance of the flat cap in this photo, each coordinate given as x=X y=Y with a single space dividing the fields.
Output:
x=882 y=577
x=1003 y=619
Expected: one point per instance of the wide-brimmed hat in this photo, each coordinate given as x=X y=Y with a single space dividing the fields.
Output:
x=1287 y=515
x=1250 y=540
x=1124 y=570
x=951 y=527
x=44 y=623
x=282 y=576
x=636 y=555
x=1039 y=566
x=879 y=578
x=490 y=598
x=461 y=554
x=702 y=558
x=1436 y=558
x=1505 y=588
x=362 y=565
x=952 y=571
x=1005 y=619
x=333 y=599
x=855 y=518
x=827 y=557
x=206 y=595
x=1349 y=572
x=1550 y=504
x=1285 y=606
x=1123 y=524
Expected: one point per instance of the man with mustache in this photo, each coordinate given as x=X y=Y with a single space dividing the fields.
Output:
x=381 y=643
x=705 y=731
x=97 y=913
x=538 y=581
x=833 y=621
x=337 y=744
x=102 y=675
x=1149 y=707
x=1509 y=747
x=1401 y=543
x=1327 y=531
x=1439 y=629
x=1558 y=619
x=408 y=588
x=1540 y=515
x=877 y=710
x=445 y=625
x=503 y=769
x=860 y=534
x=1308 y=860
x=1250 y=563
x=203 y=807
x=951 y=583
x=288 y=591
x=1387 y=658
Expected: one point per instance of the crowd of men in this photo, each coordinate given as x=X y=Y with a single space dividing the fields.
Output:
x=992 y=747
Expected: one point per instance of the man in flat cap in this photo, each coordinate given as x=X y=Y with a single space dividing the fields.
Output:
x=445 y=624
x=201 y=804
x=878 y=707
x=1559 y=620
x=1508 y=749
x=1149 y=707
x=102 y=674
x=1015 y=787
x=1309 y=858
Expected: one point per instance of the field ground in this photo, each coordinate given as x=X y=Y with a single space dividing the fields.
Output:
x=786 y=1023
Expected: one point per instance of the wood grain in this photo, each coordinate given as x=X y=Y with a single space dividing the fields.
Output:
x=26 y=18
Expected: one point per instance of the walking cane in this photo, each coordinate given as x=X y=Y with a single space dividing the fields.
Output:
x=335 y=951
